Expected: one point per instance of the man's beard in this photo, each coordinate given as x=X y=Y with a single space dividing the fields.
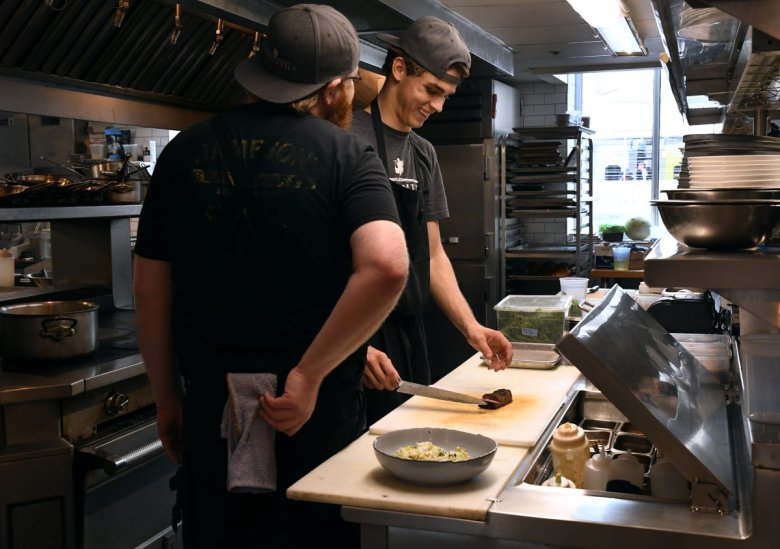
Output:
x=340 y=113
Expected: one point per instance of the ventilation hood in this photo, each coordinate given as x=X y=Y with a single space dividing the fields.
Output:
x=113 y=61
x=723 y=60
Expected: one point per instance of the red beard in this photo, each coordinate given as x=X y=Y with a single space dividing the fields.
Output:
x=340 y=112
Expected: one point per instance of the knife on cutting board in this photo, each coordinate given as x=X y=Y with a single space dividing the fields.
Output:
x=410 y=388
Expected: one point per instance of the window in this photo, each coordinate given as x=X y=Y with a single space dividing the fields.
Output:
x=635 y=154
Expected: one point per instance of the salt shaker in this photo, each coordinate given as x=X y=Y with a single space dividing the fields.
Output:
x=570 y=451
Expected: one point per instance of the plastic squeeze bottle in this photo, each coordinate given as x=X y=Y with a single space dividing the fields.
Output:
x=666 y=480
x=7 y=268
x=627 y=467
x=570 y=451
x=597 y=471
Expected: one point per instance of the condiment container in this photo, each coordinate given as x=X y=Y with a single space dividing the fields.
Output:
x=666 y=481
x=558 y=481
x=627 y=467
x=570 y=451
x=7 y=268
x=597 y=471
x=533 y=318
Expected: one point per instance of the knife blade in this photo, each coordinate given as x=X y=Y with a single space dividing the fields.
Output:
x=410 y=388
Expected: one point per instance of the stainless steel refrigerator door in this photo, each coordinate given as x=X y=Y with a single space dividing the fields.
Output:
x=447 y=348
x=469 y=237
x=470 y=174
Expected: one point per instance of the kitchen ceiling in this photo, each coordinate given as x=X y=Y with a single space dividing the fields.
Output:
x=548 y=37
x=121 y=49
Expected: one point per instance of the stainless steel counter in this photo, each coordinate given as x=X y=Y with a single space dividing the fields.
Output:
x=731 y=502
x=117 y=358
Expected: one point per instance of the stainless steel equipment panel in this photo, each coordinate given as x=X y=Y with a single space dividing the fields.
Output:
x=660 y=386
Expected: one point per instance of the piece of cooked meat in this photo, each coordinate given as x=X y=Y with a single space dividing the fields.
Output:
x=496 y=399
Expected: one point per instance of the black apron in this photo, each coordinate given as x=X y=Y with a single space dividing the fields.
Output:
x=402 y=335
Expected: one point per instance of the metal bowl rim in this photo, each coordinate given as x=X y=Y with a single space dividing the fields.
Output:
x=17 y=309
x=769 y=202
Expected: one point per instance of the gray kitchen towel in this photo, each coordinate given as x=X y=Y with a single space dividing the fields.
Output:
x=251 y=448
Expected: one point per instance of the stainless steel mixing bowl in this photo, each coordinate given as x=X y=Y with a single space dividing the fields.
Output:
x=720 y=224
x=697 y=193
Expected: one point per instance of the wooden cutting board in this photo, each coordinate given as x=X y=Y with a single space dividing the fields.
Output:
x=537 y=396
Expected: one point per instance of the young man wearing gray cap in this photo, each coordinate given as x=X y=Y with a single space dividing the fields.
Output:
x=269 y=250
x=424 y=66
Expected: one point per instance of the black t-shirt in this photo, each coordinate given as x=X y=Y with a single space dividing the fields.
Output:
x=399 y=161
x=257 y=268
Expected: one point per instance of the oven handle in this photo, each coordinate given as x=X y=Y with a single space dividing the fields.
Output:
x=124 y=450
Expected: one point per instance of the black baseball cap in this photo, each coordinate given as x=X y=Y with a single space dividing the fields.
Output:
x=435 y=44
x=308 y=45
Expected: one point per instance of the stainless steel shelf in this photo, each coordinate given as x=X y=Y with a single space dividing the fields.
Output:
x=69 y=212
x=670 y=263
x=572 y=179
x=747 y=278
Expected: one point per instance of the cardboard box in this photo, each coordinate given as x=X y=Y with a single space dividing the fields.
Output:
x=533 y=318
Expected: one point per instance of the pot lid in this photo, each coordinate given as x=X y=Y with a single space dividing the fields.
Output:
x=650 y=377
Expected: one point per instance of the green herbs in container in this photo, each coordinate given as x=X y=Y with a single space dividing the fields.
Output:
x=533 y=318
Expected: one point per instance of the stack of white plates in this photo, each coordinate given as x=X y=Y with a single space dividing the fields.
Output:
x=756 y=170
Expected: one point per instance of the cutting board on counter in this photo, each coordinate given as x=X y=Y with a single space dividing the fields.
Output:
x=537 y=396
x=354 y=477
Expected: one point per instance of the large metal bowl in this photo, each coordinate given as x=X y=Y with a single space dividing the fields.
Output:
x=720 y=224
x=743 y=193
x=481 y=451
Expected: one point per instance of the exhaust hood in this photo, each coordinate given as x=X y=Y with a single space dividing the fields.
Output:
x=118 y=61
x=723 y=60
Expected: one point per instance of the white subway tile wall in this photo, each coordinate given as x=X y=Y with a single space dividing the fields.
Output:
x=541 y=103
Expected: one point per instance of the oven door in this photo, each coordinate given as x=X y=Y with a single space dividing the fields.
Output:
x=122 y=490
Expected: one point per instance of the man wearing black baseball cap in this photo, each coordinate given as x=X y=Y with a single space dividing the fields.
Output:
x=298 y=214
x=424 y=66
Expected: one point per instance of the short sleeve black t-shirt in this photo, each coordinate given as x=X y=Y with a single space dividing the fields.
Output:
x=400 y=162
x=259 y=259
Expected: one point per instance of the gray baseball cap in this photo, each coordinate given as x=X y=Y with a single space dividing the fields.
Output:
x=435 y=44
x=308 y=45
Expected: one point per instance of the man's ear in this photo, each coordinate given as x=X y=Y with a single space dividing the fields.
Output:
x=398 y=68
x=330 y=90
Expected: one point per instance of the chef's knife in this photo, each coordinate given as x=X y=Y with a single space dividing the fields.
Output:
x=433 y=392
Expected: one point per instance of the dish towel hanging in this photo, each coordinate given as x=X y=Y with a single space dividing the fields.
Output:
x=251 y=441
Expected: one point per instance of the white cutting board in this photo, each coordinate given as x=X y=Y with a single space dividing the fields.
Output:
x=537 y=396
x=354 y=477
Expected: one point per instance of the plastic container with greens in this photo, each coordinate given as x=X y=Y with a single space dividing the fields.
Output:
x=533 y=318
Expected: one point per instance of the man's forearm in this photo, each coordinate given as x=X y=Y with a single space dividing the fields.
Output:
x=153 y=297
